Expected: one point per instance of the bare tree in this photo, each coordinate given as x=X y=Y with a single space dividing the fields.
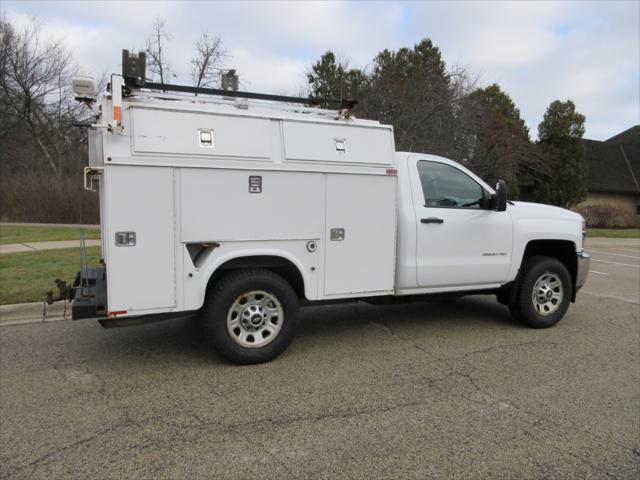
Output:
x=35 y=97
x=155 y=48
x=206 y=65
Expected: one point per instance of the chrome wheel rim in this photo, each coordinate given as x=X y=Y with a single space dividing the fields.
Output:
x=255 y=319
x=547 y=294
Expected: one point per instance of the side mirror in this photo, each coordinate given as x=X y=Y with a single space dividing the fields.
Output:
x=500 y=198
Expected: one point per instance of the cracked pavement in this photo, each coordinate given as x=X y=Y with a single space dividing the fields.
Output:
x=440 y=389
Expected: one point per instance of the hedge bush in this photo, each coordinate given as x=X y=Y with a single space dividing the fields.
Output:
x=47 y=199
x=605 y=216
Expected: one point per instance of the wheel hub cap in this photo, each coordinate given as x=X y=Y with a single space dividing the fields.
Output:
x=547 y=294
x=255 y=318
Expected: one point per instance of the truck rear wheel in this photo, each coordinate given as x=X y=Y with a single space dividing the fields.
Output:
x=249 y=316
x=544 y=292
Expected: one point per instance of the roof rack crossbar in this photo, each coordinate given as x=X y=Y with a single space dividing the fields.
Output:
x=133 y=83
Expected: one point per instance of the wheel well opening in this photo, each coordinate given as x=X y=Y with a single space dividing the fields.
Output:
x=562 y=250
x=283 y=267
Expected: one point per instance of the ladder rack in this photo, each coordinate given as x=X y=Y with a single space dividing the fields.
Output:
x=134 y=75
x=133 y=83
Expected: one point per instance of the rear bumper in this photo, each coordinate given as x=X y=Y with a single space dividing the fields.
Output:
x=584 y=261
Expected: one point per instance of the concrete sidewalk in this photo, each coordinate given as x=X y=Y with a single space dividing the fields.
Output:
x=37 y=312
x=69 y=225
x=38 y=246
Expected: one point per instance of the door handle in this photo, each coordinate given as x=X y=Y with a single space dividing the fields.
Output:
x=431 y=220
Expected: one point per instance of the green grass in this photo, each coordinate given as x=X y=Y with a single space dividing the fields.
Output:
x=11 y=234
x=613 y=232
x=26 y=277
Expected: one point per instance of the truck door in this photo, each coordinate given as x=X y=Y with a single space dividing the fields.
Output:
x=460 y=241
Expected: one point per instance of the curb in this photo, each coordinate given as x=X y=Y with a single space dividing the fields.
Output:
x=36 y=312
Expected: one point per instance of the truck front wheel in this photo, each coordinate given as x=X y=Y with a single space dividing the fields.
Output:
x=544 y=292
x=249 y=316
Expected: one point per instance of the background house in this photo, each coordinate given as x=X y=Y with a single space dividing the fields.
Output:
x=614 y=174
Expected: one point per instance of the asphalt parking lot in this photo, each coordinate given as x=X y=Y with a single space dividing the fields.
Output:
x=442 y=389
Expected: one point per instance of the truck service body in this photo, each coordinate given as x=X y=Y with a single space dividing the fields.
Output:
x=242 y=209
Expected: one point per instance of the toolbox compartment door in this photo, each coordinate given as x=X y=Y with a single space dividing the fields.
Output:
x=166 y=132
x=141 y=201
x=361 y=218
x=337 y=144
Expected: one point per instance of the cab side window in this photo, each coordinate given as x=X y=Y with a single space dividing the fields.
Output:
x=446 y=186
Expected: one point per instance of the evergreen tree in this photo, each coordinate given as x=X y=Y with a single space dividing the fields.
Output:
x=326 y=75
x=560 y=136
x=503 y=105
x=501 y=147
x=411 y=89
x=437 y=111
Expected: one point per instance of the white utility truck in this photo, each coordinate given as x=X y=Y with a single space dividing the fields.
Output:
x=242 y=208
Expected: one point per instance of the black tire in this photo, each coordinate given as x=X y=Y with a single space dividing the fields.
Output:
x=543 y=274
x=223 y=305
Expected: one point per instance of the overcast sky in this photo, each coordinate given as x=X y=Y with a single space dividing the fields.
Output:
x=587 y=51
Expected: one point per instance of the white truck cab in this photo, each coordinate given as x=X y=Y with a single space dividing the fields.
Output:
x=240 y=209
